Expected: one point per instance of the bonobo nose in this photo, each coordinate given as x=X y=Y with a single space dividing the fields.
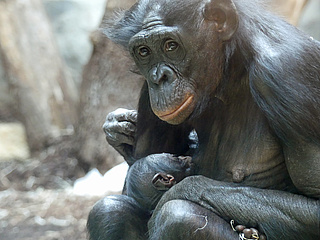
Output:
x=161 y=73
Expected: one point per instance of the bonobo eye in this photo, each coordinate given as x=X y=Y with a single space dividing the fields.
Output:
x=144 y=51
x=170 y=45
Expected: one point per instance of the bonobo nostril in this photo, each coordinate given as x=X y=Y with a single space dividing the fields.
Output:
x=161 y=73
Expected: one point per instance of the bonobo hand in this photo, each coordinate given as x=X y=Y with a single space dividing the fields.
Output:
x=120 y=127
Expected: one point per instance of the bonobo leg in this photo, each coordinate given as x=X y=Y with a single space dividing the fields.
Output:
x=181 y=219
x=117 y=217
x=277 y=214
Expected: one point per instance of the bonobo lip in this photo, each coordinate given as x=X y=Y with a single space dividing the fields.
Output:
x=176 y=112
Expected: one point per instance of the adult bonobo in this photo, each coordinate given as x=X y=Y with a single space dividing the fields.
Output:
x=249 y=84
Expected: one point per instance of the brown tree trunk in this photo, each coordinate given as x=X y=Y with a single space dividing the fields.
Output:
x=43 y=91
x=107 y=84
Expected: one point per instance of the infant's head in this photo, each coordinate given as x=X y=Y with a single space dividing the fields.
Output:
x=150 y=177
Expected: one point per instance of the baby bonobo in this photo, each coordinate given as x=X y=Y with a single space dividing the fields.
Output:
x=150 y=177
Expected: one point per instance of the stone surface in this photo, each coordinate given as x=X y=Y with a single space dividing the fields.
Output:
x=13 y=143
x=73 y=22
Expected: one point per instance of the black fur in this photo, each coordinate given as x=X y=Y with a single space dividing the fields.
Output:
x=264 y=112
x=284 y=73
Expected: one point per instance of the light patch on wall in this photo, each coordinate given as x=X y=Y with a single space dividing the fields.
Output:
x=13 y=142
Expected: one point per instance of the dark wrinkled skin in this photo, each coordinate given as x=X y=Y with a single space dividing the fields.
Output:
x=248 y=83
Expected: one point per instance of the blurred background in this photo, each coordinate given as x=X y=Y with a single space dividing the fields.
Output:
x=59 y=77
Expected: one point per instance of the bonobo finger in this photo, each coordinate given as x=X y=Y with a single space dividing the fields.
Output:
x=117 y=139
x=111 y=128
x=132 y=116
x=122 y=114
x=127 y=128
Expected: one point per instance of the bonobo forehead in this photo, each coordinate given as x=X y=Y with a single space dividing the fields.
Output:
x=154 y=34
x=166 y=19
x=180 y=13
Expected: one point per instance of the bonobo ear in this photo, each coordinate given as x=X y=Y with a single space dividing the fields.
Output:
x=225 y=16
x=163 y=181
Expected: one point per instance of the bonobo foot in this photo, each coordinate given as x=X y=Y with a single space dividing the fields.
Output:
x=247 y=233
x=120 y=128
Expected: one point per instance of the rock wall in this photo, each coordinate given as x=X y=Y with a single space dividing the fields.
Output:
x=73 y=22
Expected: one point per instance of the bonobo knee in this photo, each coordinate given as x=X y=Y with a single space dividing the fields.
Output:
x=174 y=211
x=117 y=217
x=176 y=218
x=181 y=219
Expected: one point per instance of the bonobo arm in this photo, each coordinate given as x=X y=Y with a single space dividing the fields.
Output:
x=303 y=163
x=278 y=214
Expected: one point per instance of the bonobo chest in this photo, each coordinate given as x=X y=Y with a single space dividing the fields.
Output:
x=242 y=148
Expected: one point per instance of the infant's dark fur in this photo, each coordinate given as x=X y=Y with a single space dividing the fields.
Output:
x=150 y=177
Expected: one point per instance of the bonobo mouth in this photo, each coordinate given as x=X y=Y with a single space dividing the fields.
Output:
x=179 y=114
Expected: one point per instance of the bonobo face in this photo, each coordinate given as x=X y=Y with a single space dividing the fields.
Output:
x=161 y=56
x=179 y=50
